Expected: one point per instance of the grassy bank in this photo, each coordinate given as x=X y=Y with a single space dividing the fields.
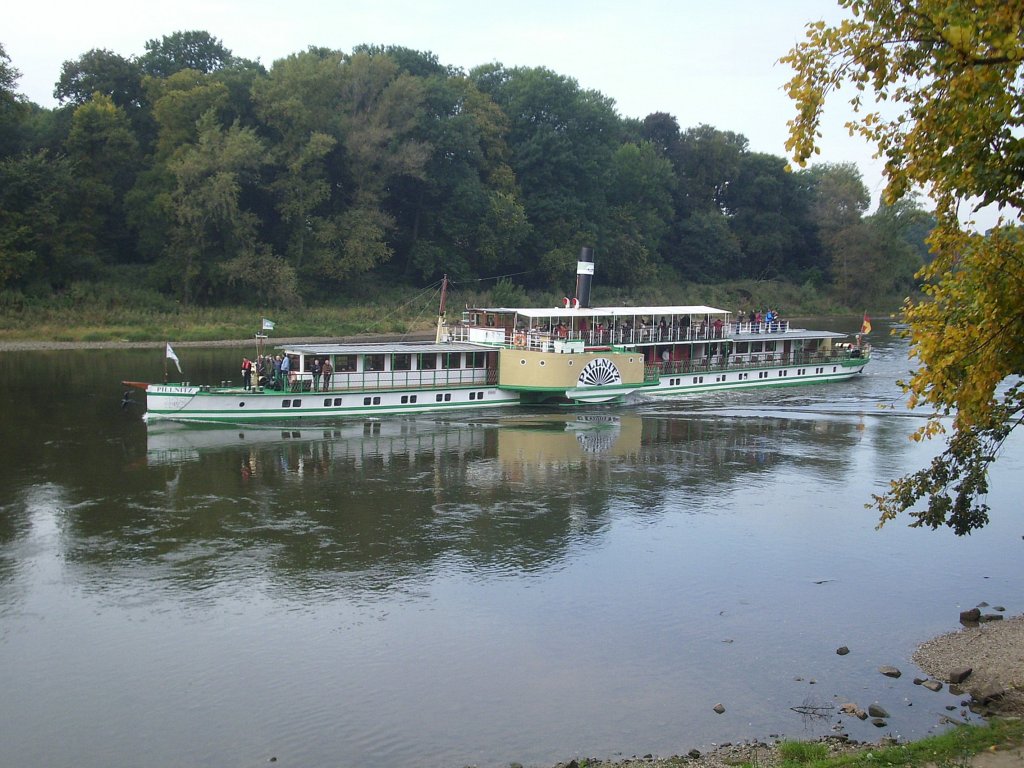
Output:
x=954 y=748
x=960 y=747
x=104 y=313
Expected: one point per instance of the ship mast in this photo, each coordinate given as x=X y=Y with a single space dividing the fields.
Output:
x=438 y=338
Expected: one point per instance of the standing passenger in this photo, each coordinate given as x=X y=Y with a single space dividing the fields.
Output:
x=326 y=370
x=247 y=373
x=286 y=369
x=316 y=369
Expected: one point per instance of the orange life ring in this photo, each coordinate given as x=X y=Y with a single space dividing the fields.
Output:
x=520 y=339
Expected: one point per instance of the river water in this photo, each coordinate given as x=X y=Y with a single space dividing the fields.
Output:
x=470 y=588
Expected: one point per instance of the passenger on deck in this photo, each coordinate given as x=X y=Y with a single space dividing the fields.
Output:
x=286 y=369
x=316 y=370
x=327 y=370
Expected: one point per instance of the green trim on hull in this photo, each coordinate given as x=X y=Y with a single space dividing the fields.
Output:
x=285 y=414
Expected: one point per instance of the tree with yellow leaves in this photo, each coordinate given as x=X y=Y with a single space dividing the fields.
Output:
x=948 y=75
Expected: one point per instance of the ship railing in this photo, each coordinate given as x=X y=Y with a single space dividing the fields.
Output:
x=668 y=334
x=776 y=326
x=750 y=361
x=542 y=339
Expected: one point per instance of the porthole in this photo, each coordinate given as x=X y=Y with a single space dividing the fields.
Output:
x=522 y=362
x=543 y=363
x=241 y=404
x=286 y=403
x=337 y=401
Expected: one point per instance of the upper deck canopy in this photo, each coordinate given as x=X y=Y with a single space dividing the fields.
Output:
x=592 y=312
x=383 y=348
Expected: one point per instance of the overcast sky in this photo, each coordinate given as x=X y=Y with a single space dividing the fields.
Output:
x=706 y=62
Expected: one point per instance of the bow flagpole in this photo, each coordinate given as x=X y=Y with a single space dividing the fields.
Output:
x=169 y=354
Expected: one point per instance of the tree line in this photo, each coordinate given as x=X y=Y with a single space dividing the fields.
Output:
x=213 y=179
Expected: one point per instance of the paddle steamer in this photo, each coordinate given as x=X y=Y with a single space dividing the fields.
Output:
x=574 y=354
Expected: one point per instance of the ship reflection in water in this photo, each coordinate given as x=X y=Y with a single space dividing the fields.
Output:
x=382 y=500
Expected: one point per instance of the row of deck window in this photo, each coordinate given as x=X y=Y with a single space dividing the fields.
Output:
x=743 y=376
x=440 y=397
x=400 y=362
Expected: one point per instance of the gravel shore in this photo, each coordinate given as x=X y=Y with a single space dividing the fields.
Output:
x=993 y=651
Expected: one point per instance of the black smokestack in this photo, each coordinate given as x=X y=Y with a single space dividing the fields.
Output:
x=584 y=276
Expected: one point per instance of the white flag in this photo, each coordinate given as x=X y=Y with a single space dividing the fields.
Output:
x=268 y=325
x=172 y=356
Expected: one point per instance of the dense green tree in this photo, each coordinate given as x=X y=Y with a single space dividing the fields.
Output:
x=239 y=77
x=213 y=239
x=838 y=200
x=295 y=103
x=561 y=141
x=708 y=250
x=347 y=133
x=640 y=213
x=105 y=154
x=768 y=213
x=463 y=216
x=195 y=50
x=179 y=101
x=839 y=197
x=101 y=71
x=109 y=74
x=709 y=164
x=902 y=228
x=662 y=130
x=42 y=245
x=412 y=62
x=13 y=109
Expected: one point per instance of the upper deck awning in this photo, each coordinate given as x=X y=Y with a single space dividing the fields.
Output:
x=384 y=348
x=563 y=313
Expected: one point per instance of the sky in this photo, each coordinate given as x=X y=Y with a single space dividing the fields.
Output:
x=712 y=62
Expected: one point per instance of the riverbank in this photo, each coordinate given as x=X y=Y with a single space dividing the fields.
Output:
x=39 y=345
x=992 y=651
